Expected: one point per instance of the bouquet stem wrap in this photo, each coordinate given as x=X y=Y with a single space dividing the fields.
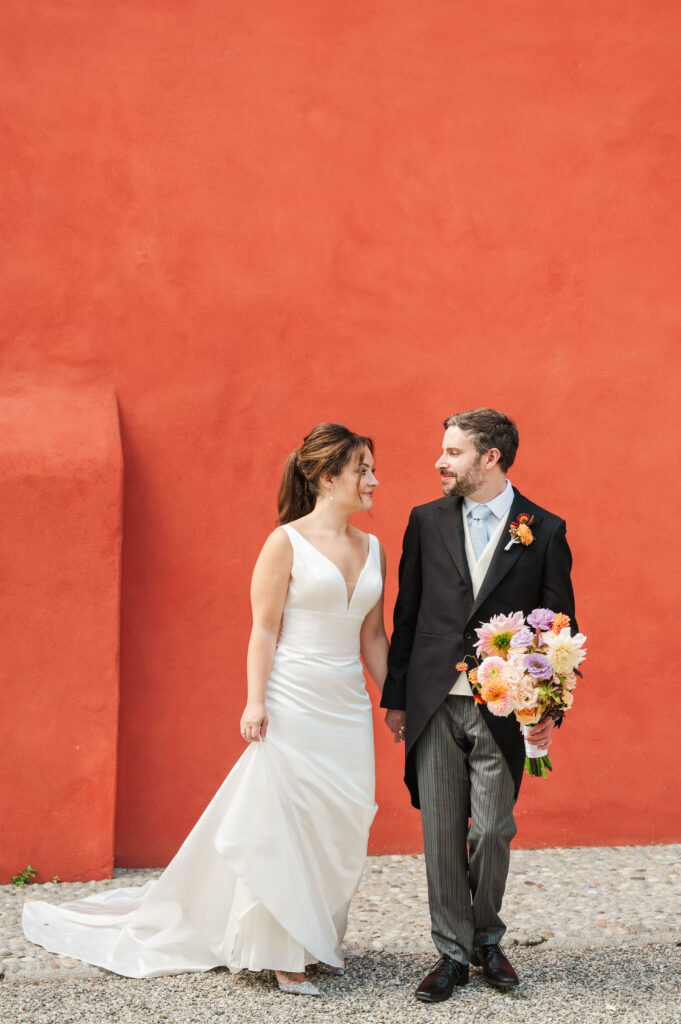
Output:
x=537 y=760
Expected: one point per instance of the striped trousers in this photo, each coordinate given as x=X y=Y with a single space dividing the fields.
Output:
x=462 y=774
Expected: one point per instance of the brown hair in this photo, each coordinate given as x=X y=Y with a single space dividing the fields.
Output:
x=326 y=449
x=489 y=429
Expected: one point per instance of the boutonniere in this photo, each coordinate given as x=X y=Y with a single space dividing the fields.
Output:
x=520 y=531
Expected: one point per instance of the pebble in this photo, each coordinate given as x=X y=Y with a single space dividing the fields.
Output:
x=592 y=931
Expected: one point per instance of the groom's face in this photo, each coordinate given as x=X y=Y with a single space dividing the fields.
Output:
x=460 y=465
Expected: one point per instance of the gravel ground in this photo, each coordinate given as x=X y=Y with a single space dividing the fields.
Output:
x=594 y=933
x=637 y=984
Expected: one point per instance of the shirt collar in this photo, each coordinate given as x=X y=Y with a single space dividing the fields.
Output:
x=498 y=506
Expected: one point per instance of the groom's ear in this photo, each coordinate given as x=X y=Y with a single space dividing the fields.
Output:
x=491 y=457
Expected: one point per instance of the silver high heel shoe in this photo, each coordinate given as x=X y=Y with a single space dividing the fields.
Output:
x=297 y=988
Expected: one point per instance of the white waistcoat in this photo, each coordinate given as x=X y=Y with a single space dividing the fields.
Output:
x=478 y=571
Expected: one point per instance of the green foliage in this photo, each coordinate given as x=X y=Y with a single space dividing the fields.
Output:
x=24 y=877
x=56 y=879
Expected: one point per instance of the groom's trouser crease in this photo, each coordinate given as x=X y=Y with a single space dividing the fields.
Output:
x=459 y=765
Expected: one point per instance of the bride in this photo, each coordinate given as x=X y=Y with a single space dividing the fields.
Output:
x=265 y=878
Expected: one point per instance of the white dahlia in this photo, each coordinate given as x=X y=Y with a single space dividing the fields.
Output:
x=565 y=652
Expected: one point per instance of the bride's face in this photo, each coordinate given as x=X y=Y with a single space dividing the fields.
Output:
x=354 y=487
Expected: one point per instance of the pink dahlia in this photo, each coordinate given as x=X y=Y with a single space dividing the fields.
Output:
x=491 y=670
x=494 y=637
x=501 y=708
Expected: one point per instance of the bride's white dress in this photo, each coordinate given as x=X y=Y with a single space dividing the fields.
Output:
x=265 y=878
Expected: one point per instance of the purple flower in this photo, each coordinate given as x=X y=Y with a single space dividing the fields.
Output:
x=538 y=666
x=523 y=638
x=541 y=618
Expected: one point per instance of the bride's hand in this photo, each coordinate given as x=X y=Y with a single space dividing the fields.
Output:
x=254 y=723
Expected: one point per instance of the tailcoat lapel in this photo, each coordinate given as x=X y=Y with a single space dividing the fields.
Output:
x=502 y=560
x=450 y=524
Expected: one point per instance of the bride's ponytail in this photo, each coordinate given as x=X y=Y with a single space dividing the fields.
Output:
x=296 y=497
x=326 y=449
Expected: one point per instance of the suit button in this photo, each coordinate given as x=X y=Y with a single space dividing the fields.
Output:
x=468 y=636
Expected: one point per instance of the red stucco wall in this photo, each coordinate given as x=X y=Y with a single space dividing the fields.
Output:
x=60 y=509
x=249 y=218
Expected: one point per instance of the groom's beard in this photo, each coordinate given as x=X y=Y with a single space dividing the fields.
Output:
x=464 y=483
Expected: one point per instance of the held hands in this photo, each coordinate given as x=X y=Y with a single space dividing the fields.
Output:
x=254 y=723
x=540 y=735
x=395 y=720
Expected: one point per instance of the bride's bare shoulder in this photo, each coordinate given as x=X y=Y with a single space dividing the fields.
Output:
x=277 y=547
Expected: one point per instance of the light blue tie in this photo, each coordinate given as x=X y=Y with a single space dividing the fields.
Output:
x=479 y=517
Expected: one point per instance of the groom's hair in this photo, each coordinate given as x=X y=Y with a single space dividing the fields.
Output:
x=488 y=429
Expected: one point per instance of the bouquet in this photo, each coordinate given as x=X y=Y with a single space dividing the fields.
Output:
x=527 y=667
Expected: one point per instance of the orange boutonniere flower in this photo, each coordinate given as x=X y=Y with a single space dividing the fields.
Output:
x=520 y=531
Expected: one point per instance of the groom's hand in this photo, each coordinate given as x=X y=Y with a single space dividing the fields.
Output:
x=540 y=734
x=395 y=720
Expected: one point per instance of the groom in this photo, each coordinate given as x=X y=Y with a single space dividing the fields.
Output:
x=456 y=572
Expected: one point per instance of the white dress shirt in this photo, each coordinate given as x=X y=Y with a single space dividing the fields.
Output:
x=498 y=506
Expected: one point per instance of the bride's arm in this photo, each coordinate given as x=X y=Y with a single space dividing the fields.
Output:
x=269 y=585
x=373 y=639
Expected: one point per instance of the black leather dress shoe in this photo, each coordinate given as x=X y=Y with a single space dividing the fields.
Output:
x=440 y=983
x=496 y=970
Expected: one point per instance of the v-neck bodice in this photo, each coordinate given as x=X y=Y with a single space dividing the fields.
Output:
x=318 y=585
x=348 y=596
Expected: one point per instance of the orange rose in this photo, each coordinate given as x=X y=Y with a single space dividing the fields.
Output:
x=529 y=716
x=560 y=621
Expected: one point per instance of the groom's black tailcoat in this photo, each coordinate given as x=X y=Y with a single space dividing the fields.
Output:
x=436 y=615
